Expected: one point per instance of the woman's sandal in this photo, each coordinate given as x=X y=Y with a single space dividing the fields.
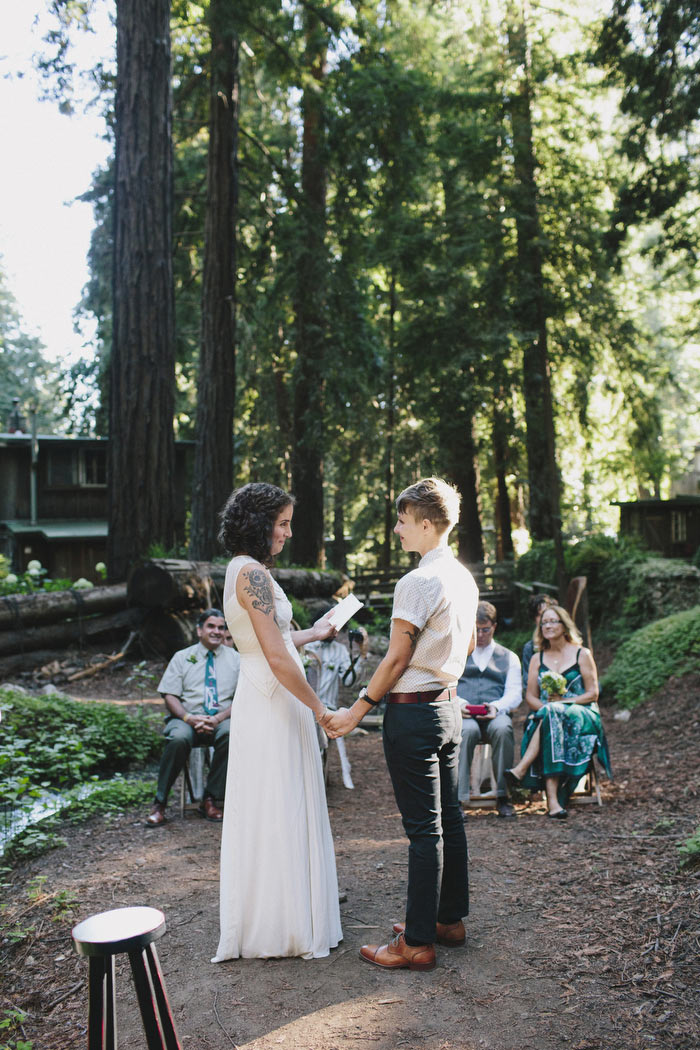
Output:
x=512 y=779
x=561 y=814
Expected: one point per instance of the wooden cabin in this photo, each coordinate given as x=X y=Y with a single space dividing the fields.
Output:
x=670 y=526
x=53 y=501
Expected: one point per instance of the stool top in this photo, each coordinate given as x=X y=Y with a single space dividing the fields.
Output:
x=119 y=930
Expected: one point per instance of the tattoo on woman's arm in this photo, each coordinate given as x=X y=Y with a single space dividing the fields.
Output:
x=260 y=590
x=413 y=638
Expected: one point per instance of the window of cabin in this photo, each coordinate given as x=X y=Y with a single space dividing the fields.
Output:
x=76 y=467
x=679 y=526
x=94 y=466
x=62 y=467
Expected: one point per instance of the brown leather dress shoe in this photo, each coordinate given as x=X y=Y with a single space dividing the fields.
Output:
x=397 y=955
x=449 y=934
x=157 y=815
x=210 y=811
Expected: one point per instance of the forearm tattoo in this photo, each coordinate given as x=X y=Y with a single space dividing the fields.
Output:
x=258 y=586
x=413 y=638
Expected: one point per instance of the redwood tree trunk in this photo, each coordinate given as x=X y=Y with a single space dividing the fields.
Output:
x=545 y=514
x=389 y=508
x=142 y=368
x=307 y=451
x=504 y=535
x=216 y=385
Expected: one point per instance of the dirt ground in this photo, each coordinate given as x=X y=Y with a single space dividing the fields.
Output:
x=582 y=934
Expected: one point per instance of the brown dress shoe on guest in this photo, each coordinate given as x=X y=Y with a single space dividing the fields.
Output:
x=157 y=815
x=449 y=934
x=210 y=811
x=397 y=955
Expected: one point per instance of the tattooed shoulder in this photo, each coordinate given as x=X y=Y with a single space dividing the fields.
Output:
x=258 y=586
x=413 y=638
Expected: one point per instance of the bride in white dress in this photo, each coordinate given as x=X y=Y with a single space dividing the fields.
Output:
x=279 y=890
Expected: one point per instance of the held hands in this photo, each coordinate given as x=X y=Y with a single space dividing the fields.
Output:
x=340 y=723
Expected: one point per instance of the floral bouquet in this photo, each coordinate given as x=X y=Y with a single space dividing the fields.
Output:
x=552 y=683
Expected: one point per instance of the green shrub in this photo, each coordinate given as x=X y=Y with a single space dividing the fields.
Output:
x=659 y=587
x=645 y=662
x=300 y=613
x=538 y=563
x=627 y=586
x=50 y=742
x=690 y=850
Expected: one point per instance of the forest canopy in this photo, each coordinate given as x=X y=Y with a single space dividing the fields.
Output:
x=413 y=238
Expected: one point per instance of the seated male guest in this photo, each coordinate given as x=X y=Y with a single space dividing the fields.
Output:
x=492 y=677
x=198 y=687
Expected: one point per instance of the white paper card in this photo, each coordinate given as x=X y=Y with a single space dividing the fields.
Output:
x=344 y=610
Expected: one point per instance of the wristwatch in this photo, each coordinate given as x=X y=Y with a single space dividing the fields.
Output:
x=364 y=695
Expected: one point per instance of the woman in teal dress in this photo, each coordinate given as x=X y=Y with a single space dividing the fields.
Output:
x=563 y=730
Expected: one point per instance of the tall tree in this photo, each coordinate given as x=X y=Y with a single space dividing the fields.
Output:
x=216 y=385
x=142 y=370
x=310 y=304
x=651 y=49
x=545 y=514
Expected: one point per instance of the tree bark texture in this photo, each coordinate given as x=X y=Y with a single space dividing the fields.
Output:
x=142 y=368
x=543 y=478
x=389 y=508
x=30 y=610
x=504 y=535
x=465 y=474
x=216 y=386
x=307 y=451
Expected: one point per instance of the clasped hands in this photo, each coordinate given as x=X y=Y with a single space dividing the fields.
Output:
x=338 y=723
x=205 y=725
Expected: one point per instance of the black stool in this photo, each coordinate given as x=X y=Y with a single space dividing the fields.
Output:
x=130 y=930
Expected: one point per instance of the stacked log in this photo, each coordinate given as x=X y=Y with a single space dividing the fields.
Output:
x=161 y=600
x=54 y=619
x=176 y=590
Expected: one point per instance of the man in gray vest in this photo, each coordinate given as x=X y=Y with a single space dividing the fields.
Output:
x=492 y=677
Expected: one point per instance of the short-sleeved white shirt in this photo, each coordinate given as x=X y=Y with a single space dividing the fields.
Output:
x=439 y=597
x=184 y=676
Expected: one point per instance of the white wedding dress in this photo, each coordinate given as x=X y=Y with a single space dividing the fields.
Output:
x=279 y=889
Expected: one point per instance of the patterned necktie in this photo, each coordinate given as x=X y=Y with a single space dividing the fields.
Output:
x=211 y=695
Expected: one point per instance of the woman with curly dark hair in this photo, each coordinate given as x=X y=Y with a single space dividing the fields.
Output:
x=279 y=891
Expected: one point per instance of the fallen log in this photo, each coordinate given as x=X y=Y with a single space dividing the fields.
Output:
x=30 y=610
x=163 y=632
x=172 y=583
x=61 y=634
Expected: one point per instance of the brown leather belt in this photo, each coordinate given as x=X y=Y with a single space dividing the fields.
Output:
x=431 y=696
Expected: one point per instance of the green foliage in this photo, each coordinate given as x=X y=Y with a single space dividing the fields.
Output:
x=690 y=851
x=513 y=639
x=645 y=662
x=10 y=1027
x=33 y=580
x=537 y=564
x=111 y=797
x=52 y=742
x=300 y=613
x=607 y=564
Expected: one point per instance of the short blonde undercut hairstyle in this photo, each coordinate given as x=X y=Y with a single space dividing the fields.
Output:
x=431 y=498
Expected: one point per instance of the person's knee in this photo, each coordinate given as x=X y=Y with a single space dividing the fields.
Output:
x=500 y=730
x=471 y=733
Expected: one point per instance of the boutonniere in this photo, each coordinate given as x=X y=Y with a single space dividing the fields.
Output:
x=192 y=659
